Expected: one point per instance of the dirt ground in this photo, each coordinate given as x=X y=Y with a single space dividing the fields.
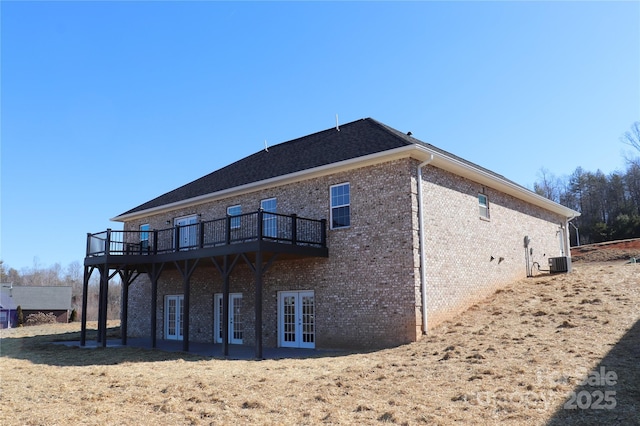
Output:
x=603 y=252
x=554 y=349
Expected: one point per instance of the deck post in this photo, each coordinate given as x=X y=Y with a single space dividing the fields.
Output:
x=260 y=223
x=258 y=301
x=323 y=236
x=155 y=241
x=85 y=290
x=294 y=229
x=88 y=244
x=225 y=308
x=154 y=275
x=186 y=288
x=125 y=308
x=100 y=292
x=103 y=304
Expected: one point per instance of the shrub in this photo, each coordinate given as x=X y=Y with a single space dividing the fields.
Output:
x=20 y=315
x=41 y=318
x=74 y=316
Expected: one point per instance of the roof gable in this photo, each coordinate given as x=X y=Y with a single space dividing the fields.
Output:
x=349 y=143
x=352 y=140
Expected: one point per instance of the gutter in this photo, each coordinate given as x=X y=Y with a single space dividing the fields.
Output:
x=421 y=237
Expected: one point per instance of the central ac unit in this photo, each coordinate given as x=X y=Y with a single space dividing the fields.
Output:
x=559 y=264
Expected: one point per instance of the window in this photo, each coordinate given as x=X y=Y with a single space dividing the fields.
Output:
x=269 y=221
x=340 y=206
x=144 y=237
x=483 y=204
x=234 y=211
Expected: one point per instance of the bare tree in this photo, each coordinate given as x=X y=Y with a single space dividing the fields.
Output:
x=549 y=185
x=632 y=138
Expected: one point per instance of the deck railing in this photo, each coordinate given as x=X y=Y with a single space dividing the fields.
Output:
x=260 y=225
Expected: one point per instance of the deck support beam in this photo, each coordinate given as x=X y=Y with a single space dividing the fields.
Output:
x=186 y=272
x=88 y=270
x=258 y=269
x=258 y=303
x=154 y=275
x=128 y=276
x=104 y=304
x=225 y=270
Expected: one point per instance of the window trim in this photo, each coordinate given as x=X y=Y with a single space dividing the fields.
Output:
x=333 y=207
x=483 y=209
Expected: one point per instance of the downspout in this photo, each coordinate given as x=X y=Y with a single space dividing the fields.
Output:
x=421 y=237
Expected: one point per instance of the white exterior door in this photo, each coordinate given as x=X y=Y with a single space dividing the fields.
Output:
x=173 y=317
x=296 y=319
x=188 y=232
x=235 y=325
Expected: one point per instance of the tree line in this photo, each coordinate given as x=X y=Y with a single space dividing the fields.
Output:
x=71 y=276
x=609 y=204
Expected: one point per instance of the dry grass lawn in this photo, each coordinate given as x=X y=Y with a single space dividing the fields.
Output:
x=513 y=359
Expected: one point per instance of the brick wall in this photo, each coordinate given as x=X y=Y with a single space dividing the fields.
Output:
x=367 y=293
x=364 y=295
x=460 y=245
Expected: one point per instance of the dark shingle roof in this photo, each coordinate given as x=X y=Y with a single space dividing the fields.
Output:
x=356 y=139
x=6 y=302
x=40 y=298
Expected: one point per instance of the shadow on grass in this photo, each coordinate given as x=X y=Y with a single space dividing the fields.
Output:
x=62 y=349
x=611 y=392
x=41 y=350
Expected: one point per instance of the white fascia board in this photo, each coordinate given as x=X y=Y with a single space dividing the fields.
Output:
x=480 y=176
x=418 y=152
x=276 y=181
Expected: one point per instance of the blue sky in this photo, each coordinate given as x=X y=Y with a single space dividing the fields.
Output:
x=106 y=105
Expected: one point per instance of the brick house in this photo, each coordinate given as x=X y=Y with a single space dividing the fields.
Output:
x=359 y=236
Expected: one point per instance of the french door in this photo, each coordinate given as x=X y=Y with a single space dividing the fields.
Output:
x=296 y=319
x=235 y=325
x=188 y=231
x=269 y=220
x=174 y=317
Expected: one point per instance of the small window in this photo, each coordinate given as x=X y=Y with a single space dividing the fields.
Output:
x=144 y=236
x=483 y=205
x=234 y=211
x=340 y=206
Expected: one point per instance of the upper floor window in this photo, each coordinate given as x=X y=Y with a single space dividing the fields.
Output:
x=234 y=211
x=483 y=205
x=144 y=236
x=340 y=206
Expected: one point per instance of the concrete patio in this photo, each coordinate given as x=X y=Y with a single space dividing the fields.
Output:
x=236 y=352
